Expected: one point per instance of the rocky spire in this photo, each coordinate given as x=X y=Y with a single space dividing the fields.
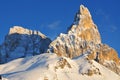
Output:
x=84 y=27
x=82 y=14
x=83 y=34
x=82 y=38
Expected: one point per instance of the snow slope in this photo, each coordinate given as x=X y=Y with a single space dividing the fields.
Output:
x=49 y=66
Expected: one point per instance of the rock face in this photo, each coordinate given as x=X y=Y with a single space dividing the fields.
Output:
x=83 y=37
x=22 y=42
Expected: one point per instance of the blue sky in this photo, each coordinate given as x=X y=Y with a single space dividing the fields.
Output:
x=52 y=17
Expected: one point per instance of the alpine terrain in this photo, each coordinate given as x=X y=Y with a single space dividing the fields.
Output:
x=22 y=42
x=77 y=55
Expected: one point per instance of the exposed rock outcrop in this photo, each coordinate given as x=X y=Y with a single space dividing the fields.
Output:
x=81 y=36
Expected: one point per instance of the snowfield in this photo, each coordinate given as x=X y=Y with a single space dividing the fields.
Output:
x=49 y=66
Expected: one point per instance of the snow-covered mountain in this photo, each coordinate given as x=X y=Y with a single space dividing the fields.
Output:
x=83 y=37
x=21 y=42
x=77 y=55
x=51 y=67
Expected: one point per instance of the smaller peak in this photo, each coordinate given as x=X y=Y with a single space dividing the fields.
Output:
x=21 y=30
x=17 y=28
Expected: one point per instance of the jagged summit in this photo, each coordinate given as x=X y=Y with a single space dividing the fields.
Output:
x=82 y=38
x=83 y=24
x=21 y=30
x=83 y=13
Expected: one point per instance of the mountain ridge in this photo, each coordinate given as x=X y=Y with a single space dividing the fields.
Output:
x=21 y=30
x=21 y=42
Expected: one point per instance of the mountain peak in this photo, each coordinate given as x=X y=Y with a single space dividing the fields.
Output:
x=22 y=42
x=80 y=35
x=84 y=11
x=18 y=29
x=21 y=30
x=83 y=16
x=83 y=37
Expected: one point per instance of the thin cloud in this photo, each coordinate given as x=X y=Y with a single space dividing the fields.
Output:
x=106 y=20
x=113 y=28
x=110 y=28
x=103 y=14
x=54 y=25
